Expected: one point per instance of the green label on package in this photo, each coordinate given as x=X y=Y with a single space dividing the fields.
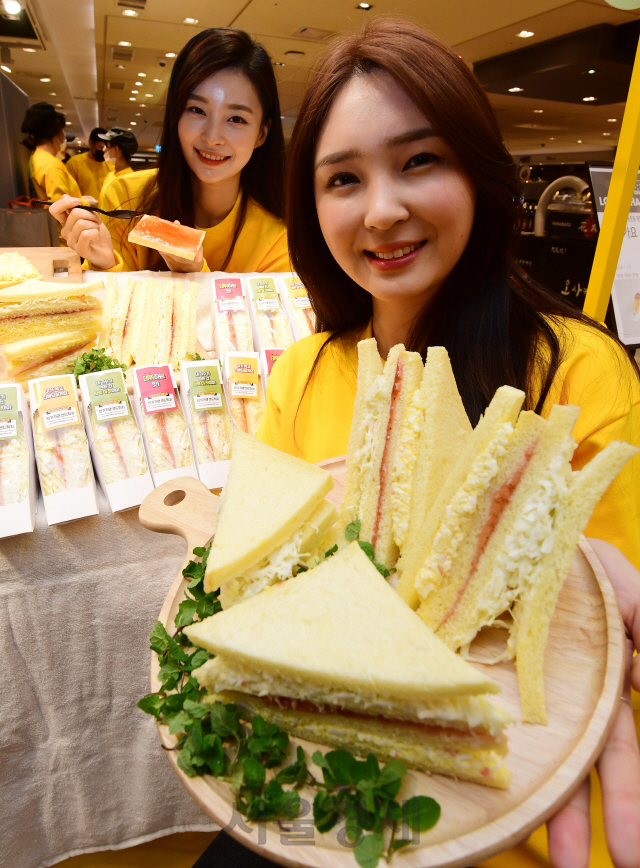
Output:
x=108 y=395
x=264 y=293
x=205 y=389
x=8 y=412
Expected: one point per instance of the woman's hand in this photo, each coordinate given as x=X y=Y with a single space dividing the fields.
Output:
x=179 y=264
x=84 y=232
x=619 y=763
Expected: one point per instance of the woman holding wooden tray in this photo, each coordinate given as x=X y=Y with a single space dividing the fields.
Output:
x=220 y=168
x=402 y=214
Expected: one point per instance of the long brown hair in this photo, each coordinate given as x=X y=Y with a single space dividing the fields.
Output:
x=498 y=325
x=169 y=193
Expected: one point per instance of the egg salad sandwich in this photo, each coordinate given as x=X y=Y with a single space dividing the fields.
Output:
x=383 y=399
x=16 y=268
x=271 y=520
x=335 y=656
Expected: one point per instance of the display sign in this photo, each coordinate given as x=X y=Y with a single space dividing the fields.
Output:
x=8 y=412
x=156 y=389
x=243 y=376
x=108 y=395
x=265 y=294
x=625 y=294
x=205 y=386
x=229 y=294
x=56 y=400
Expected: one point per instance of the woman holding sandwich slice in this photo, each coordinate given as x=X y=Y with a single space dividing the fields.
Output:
x=220 y=168
x=402 y=213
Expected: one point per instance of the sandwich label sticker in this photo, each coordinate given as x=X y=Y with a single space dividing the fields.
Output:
x=265 y=294
x=243 y=377
x=108 y=395
x=297 y=292
x=156 y=389
x=272 y=357
x=205 y=387
x=8 y=412
x=229 y=294
x=56 y=401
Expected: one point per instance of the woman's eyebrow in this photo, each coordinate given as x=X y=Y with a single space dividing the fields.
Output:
x=393 y=142
x=235 y=106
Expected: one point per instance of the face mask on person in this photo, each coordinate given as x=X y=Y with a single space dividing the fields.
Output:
x=110 y=158
x=98 y=156
x=61 y=149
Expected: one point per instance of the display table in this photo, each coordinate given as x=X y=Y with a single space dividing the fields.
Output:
x=81 y=767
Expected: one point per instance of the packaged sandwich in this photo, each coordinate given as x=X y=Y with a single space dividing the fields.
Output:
x=268 y=358
x=62 y=449
x=297 y=304
x=206 y=410
x=271 y=324
x=162 y=421
x=230 y=317
x=244 y=390
x=114 y=439
x=17 y=468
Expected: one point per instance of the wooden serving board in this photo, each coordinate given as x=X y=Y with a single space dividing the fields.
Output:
x=584 y=669
x=53 y=263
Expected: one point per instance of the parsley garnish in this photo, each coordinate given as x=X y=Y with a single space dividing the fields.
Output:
x=217 y=739
x=96 y=360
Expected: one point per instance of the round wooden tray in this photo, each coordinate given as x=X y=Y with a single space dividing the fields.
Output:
x=584 y=669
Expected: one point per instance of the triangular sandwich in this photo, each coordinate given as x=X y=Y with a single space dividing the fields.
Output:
x=336 y=657
x=491 y=433
x=434 y=434
x=268 y=499
x=382 y=403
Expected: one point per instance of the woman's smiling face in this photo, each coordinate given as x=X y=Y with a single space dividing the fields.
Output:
x=394 y=206
x=220 y=126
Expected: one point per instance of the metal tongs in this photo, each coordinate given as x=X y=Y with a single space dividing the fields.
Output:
x=123 y=213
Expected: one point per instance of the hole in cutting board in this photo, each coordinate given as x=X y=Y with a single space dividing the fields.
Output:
x=61 y=267
x=174 y=497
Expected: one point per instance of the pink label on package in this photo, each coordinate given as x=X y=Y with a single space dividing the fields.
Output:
x=229 y=294
x=156 y=389
x=272 y=358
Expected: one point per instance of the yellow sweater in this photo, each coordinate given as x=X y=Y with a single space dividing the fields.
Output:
x=595 y=376
x=111 y=177
x=88 y=174
x=261 y=245
x=50 y=177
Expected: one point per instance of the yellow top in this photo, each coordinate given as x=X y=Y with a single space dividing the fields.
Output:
x=261 y=245
x=50 y=177
x=89 y=174
x=595 y=376
x=111 y=177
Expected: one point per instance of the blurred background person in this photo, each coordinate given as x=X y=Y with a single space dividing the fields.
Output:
x=47 y=141
x=120 y=146
x=90 y=169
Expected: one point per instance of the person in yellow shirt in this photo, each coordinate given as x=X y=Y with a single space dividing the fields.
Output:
x=402 y=216
x=90 y=169
x=47 y=141
x=120 y=146
x=220 y=168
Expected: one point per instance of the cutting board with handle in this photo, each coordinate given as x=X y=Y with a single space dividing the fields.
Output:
x=584 y=669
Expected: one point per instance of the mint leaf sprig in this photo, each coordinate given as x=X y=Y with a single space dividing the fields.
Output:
x=95 y=360
x=352 y=531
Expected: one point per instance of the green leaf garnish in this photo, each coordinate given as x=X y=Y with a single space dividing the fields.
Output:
x=95 y=360
x=352 y=530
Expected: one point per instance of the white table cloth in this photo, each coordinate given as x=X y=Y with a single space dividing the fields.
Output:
x=81 y=768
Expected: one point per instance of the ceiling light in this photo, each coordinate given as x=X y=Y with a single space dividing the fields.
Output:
x=591 y=72
x=612 y=120
x=137 y=114
x=132 y=99
x=158 y=80
x=5 y=68
x=135 y=91
x=30 y=50
x=12 y=7
x=138 y=83
x=124 y=43
x=552 y=138
x=46 y=78
x=170 y=54
x=68 y=124
x=277 y=63
x=538 y=111
x=142 y=75
x=190 y=21
x=606 y=134
x=58 y=105
x=143 y=105
x=516 y=89
x=130 y=13
x=53 y=94
x=120 y=66
x=365 y=6
x=589 y=98
x=150 y=95
x=133 y=123
x=525 y=34
x=579 y=141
